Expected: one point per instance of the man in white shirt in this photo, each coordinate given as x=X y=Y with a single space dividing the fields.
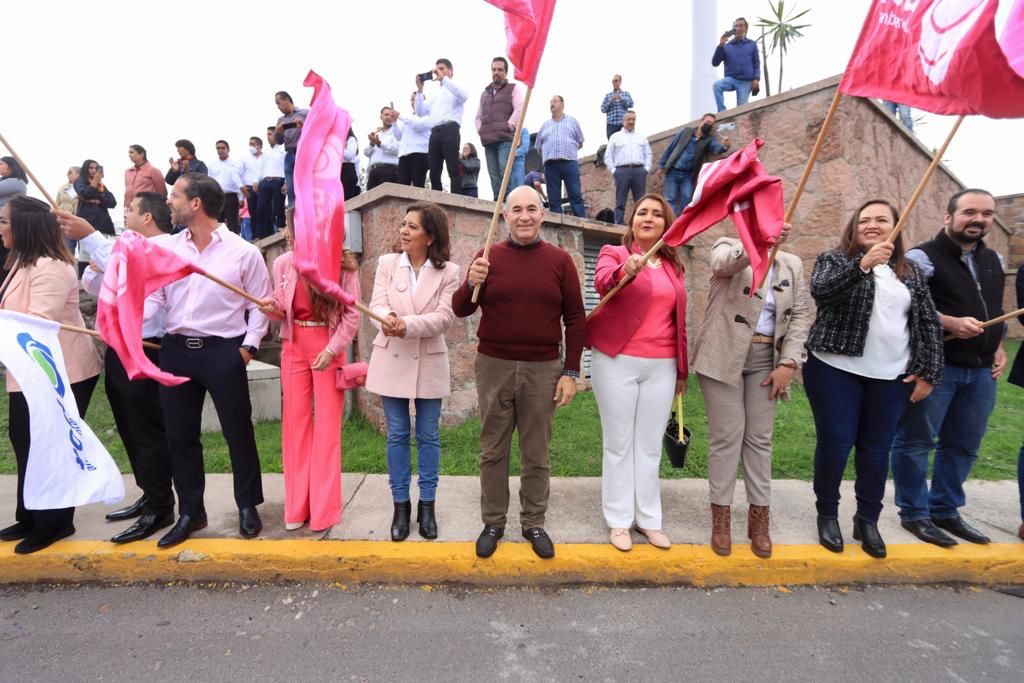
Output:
x=412 y=148
x=445 y=113
x=252 y=172
x=628 y=158
x=228 y=174
x=271 y=197
x=382 y=151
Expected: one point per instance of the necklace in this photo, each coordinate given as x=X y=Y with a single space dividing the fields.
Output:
x=654 y=262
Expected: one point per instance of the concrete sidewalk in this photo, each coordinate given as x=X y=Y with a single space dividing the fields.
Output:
x=359 y=549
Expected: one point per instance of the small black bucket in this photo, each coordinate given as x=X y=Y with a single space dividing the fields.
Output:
x=675 y=448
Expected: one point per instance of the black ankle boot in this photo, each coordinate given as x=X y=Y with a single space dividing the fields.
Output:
x=867 y=533
x=400 y=522
x=428 y=522
x=829 y=534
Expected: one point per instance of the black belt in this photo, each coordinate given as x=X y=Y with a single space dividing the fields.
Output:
x=630 y=166
x=382 y=164
x=272 y=177
x=196 y=343
x=447 y=123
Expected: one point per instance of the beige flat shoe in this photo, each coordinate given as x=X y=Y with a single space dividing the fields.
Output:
x=294 y=526
x=621 y=540
x=656 y=537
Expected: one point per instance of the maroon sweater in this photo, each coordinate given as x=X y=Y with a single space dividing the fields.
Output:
x=530 y=291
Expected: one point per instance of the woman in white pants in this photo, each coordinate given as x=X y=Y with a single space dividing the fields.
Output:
x=638 y=364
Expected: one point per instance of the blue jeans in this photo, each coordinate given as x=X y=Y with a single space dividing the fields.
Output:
x=428 y=446
x=1020 y=480
x=678 y=189
x=289 y=176
x=628 y=180
x=902 y=112
x=954 y=417
x=729 y=83
x=246 y=228
x=518 y=176
x=557 y=170
x=852 y=411
x=497 y=156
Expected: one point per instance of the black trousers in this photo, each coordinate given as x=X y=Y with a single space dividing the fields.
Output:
x=19 y=431
x=349 y=180
x=444 y=148
x=380 y=174
x=229 y=214
x=270 y=205
x=412 y=169
x=140 y=422
x=217 y=368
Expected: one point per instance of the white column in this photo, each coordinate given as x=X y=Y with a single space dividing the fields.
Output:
x=704 y=40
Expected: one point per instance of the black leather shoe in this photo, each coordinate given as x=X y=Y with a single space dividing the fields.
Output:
x=15 y=532
x=829 y=534
x=867 y=533
x=249 y=523
x=42 y=538
x=130 y=512
x=144 y=527
x=425 y=516
x=928 y=532
x=487 y=542
x=400 y=521
x=542 y=545
x=958 y=527
x=185 y=527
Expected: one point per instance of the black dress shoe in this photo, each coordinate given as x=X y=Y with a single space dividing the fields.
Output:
x=425 y=516
x=867 y=533
x=928 y=532
x=130 y=512
x=542 y=545
x=829 y=534
x=487 y=542
x=42 y=538
x=249 y=523
x=400 y=521
x=15 y=532
x=144 y=527
x=958 y=527
x=185 y=527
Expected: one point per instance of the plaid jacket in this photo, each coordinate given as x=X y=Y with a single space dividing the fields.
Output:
x=845 y=296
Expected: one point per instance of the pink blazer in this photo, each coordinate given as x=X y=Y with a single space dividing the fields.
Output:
x=414 y=366
x=613 y=326
x=49 y=289
x=342 y=330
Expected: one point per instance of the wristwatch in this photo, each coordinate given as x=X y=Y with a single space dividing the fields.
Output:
x=250 y=349
x=788 y=364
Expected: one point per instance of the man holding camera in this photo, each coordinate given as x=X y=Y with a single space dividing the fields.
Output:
x=742 y=65
x=444 y=111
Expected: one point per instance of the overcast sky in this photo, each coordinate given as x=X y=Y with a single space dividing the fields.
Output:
x=81 y=84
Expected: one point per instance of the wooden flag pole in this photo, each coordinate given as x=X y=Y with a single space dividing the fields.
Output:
x=993 y=321
x=504 y=182
x=28 y=171
x=626 y=280
x=924 y=181
x=94 y=333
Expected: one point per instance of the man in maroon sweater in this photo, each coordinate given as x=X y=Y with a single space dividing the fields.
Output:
x=530 y=291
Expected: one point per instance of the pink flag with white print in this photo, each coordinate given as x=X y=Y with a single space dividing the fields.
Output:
x=526 y=28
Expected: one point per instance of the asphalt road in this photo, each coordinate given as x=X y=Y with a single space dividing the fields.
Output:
x=333 y=633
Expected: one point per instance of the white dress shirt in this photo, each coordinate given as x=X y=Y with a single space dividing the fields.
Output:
x=352 y=152
x=627 y=148
x=387 y=151
x=766 y=321
x=252 y=168
x=415 y=132
x=414 y=281
x=227 y=173
x=273 y=161
x=445 y=106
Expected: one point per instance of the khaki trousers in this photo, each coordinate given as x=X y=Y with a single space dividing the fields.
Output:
x=515 y=395
x=740 y=422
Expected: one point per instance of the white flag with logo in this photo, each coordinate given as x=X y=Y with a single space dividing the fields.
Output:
x=67 y=464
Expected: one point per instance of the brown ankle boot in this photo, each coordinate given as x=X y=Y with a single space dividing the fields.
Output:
x=721 y=529
x=757 y=530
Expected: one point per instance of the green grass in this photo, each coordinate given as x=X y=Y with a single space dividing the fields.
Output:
x=576 y=444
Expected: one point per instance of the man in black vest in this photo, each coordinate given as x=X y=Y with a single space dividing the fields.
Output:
x=1017 y=377
x=500 y=105
x=684 y=156
x=966 y=281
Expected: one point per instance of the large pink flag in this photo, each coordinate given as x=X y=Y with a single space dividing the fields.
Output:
x=319 y=196
x=941 y=56
x=136 y=269
x=526 y=26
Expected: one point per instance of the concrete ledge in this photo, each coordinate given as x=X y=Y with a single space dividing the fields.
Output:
x=513 y=564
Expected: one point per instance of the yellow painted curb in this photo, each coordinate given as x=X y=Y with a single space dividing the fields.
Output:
x=513 y=564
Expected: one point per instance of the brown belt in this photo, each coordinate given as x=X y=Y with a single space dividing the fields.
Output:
x=762 y=339
x=309 y=323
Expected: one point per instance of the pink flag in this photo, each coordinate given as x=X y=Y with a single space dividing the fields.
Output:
x=756 y=207
x=319 y=197
x=526 y=26
x=136 y=269
x=941 y=56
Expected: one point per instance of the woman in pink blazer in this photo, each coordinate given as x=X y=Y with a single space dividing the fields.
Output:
x=43 y=282
x=315 y=333
x=413 y=292
x=638 y=365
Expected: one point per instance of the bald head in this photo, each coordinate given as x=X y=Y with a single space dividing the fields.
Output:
x=524 y=214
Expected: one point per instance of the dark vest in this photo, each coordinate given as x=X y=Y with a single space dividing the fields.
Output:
x=956 y=293
x=495 y=111
x=698 y=155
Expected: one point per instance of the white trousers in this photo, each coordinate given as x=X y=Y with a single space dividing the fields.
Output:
x=634 y=397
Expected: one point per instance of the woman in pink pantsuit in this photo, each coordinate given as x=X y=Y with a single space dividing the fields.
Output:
x=315 y=333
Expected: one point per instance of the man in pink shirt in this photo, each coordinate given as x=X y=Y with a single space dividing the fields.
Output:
x=141 y=177
x=212 y=334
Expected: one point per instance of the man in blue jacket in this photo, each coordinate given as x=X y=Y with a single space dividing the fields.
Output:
x=742 y=65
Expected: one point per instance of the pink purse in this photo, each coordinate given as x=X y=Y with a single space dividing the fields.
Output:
x=351 y=376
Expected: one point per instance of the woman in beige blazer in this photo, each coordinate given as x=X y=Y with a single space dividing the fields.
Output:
x=43 y=283
x=745 y=356
x=413 y=292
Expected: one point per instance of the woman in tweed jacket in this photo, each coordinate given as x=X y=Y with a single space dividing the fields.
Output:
x=875 y=347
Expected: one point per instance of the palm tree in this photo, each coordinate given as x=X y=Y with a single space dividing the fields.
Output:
x=764 y=62
x=783 y=31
